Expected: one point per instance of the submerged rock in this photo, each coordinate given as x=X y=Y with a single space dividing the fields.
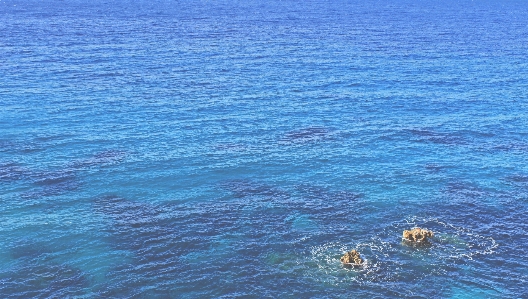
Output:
x=417 y=235
x=352 y=258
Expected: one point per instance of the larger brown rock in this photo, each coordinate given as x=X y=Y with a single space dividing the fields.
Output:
x=417 y=235
x=352 y=257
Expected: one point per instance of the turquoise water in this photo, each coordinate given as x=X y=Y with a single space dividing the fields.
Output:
x=225 y=149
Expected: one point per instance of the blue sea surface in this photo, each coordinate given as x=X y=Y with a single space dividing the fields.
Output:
x=236 y=149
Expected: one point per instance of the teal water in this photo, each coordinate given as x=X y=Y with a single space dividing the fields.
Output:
x=224 y=149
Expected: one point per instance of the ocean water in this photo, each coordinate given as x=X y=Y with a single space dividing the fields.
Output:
x=236 y=149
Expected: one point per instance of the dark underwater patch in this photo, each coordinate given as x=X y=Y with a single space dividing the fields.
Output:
x=51 y=138
x=310 y=134
x=156 y=241
x=275 y=205
x=27 y=249
x=161 y=235
x=54 y=178
x=10 y=171
x=149 y=230
x=126 y=216
x=517 y=179
x=518 y=147
x=433 y=167
x=53 y=184
x=310 y=212
x=103 y=158
x=38 y=279
x=244 y=188
x=425 y=135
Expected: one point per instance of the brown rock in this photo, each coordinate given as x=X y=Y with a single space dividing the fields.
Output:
x=417 y=235
x=352 y=257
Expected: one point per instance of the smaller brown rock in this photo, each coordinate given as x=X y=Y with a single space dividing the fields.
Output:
x=417 y=235
x=352 y=257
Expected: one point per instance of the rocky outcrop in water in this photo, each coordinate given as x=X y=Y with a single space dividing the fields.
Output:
x=417 y=235
x=352 y=258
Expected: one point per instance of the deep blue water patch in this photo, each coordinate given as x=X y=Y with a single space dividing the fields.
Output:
x=220 y=149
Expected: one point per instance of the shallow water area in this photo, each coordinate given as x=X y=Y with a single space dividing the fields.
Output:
x=219 y=149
